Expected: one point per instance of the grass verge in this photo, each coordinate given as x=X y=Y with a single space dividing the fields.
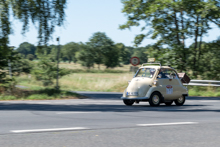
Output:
x=204 y=91
x=104 y=82
x=40 y=94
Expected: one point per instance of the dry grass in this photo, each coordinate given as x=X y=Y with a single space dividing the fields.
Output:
x=112 y=82
x=102 y=67
x=106 y=82
x=95 y=82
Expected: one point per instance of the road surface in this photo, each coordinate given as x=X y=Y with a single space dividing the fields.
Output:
x=103 y=120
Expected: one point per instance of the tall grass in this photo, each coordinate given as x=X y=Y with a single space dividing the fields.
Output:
x=102 y=67
x=109 y=82
x=96 y=81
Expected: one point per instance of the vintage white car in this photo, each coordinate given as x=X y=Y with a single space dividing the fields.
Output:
x=155 y=84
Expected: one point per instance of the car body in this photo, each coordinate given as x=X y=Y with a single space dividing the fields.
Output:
x=155 y=84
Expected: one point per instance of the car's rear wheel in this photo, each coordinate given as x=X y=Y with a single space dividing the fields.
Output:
x=180 y=101
x=168 y=103
x=155 y=99
x=128 y=102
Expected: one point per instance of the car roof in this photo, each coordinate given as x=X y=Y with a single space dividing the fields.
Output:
x=156 y=67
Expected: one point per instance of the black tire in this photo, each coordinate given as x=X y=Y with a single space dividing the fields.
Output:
x=155 y=99
x=169 y=103
x=128 y=102
x=180 y=101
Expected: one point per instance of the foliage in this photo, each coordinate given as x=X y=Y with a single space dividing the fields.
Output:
x=124 y=53
x=103 y=49
x=7 y=55
x=171 y=22
x=47 y=13
x=85 y=56
x=22 y=66
x=27 y=49
x=208 y=66
x=30 y=57
x=69 y=51
x=46 y=71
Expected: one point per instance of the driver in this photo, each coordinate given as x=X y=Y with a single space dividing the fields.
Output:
x=162 y=74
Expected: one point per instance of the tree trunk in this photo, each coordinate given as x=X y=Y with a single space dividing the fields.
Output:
x=183 y=44
x=177 y=28
x=200 y=43
x=195 y=46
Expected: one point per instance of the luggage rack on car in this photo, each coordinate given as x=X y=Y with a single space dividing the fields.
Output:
x=152 y=64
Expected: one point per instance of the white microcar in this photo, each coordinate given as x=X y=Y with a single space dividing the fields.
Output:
x=155 y=84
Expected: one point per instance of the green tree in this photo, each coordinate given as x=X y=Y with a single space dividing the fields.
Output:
x=30 y=57
x=85 y=56
x=141 y=53
x=46 y=71
x=26 y=48
x=45 y=14
x=69 y=51
x=104 y=50
x=124 y=54
x=171 y=22
x=208 y=66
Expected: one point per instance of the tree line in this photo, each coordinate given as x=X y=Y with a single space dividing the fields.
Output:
x=100 y=49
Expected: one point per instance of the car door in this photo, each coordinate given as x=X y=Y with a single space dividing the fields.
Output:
x=169 y=84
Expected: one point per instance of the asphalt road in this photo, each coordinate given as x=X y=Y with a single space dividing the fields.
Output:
x=104 y=121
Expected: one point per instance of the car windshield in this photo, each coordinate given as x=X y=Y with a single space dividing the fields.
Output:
x=145 y=72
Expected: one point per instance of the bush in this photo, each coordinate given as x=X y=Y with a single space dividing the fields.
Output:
x=46 y=71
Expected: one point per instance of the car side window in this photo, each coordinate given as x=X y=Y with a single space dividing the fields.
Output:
x=171 y=74
x=167 y=74
x=162 y=74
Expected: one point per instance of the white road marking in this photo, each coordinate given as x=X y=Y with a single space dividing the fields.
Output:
x=78 y=112
x=166 y=124
x=190 y=101
x=209 y=101
x=48 y=130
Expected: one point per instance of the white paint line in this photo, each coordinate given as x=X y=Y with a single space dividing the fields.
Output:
x=209 y=101
x=166 y=124
x=78 y=112
x=190 y=101
x=48 y=130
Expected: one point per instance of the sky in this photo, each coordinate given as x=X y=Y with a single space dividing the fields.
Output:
x=85 y=17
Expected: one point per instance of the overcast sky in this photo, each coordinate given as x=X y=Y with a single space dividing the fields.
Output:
x=85 y=17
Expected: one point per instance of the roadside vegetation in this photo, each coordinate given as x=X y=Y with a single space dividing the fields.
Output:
x=81 y=79
x=100 y=80
x=39 y=93
x=100 y=64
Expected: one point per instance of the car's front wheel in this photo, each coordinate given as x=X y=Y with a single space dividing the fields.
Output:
x=128 y=102
x=155 y=99
x=180 y=101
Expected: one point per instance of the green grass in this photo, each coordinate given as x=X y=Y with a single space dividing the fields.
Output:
x=204 y=91
x=40 y=94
